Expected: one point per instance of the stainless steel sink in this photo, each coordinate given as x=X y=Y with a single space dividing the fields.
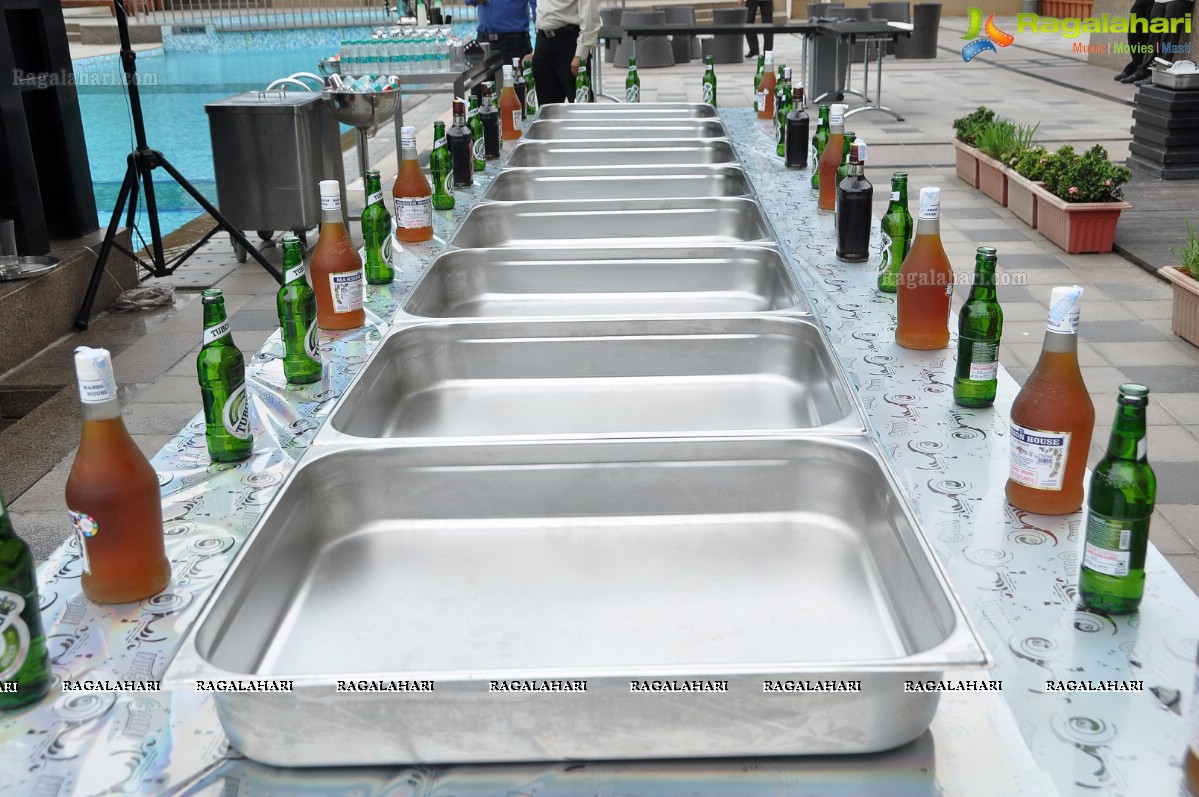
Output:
x=449 y=571
x=667 y=152
x=613 y=129
x=607 y=378
x=632 y=222
x=627 y=111
x=518 y=185
x=463 y=283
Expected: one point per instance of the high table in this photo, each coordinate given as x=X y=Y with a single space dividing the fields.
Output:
x=1015 y=573
x=873 y=34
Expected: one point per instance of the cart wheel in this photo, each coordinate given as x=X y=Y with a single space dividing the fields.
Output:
x=240 y=252
x=266 y=235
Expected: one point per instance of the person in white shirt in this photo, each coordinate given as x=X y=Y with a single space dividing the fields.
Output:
x=567 y=31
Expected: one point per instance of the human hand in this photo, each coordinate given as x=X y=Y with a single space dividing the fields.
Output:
x=574 y=66
x=527 y=60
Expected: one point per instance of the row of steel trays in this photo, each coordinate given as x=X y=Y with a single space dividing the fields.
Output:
x=604 y=444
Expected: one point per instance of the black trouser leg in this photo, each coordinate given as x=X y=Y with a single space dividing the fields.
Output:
x=551 y=67
x=767 y=9
x=1175 y=10
x=751 y=39
x=1138 y=38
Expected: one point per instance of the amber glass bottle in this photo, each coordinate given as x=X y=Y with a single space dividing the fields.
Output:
x=411 y=193
x=925 y=282
x=830 y=159
x=510 y=109
x=1052 y=419
x=335 y=267
x=765 y=91
x=113 y=496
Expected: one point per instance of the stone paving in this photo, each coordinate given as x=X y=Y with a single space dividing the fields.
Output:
x=1125 y=333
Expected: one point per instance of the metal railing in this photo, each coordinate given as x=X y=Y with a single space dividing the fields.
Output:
x=279 y=14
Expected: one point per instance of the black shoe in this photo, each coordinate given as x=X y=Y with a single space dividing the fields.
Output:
x=1121 y=75
x=751 y=55
x=1145 y=81
x=1139 y=74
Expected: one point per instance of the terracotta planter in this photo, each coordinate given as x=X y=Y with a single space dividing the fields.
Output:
x=965 y=159
x=1185 y=320
x=1022 y=198
x=1078 y=227
x=992 y=178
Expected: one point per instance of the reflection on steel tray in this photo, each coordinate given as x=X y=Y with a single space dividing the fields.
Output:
x=663 y=182
x=611 y=130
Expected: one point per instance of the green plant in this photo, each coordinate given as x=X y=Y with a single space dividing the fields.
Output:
x=1030 y=163
x=1189 y=254
x=1021 y=143
x=1089 y=177
x=969 y=127
x=996 y=138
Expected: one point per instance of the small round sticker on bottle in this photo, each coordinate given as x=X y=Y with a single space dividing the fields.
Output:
x=85 y=527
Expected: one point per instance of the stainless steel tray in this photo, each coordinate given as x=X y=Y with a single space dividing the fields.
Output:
x=630 y=222
x=470 y=283
x=524 y=185
x=630 y=154
x=511 y=380
x=625 y=111
x=616 y=129
x=737 y=562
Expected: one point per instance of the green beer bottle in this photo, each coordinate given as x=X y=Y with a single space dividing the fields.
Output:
x=761 y=70
x=222 y=371
x=530 y=92
x=896 y=233
x=441 y=165
x=632 y=83
x=819 y=139
x=1119 y=505
x=24 y=665
x=783 y=105
x=296 y=304
x=583 y=84
x=476 y=130
x=709 y=84
x=376 y=233
x=980 y=325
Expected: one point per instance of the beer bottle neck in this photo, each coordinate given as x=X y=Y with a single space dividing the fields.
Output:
x=929 y=226
x=1128 y=431
x=984 y=281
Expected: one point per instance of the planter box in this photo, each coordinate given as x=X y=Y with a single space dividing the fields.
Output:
x=1185 y=319
x=992 y=178
x=1022 y=197
x=1067 y=9
x=1078 y=227
x=965 y=158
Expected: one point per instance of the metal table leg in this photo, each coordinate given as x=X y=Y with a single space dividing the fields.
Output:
x=598 y=62
x=877 y=105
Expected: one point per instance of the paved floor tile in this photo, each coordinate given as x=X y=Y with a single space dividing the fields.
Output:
x=1021 y=261
x=1142 y=290
x=1165 y=378
x=1114 y=331
x=1149 y=309
x=1182 y=406
x=1184 y=521
x=1147 y=353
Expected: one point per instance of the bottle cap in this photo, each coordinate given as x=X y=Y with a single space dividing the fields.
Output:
x=836 y=114
x=93 y=371
x=459 y=106
x=786 y=73
x=858 y=151
x=1063 y=309
x=330 y=188
x=507 y=72
x=407 y=137
x=1133 y=395
x=768 y=56
x=986 y=251
x=930 y=203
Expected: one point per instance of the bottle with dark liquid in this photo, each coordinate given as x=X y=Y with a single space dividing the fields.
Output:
x=980 y=325
x=1052 y=419
x=1119 y=507
x=461 y=142
x=855 y=198
x=335 y=267
x=113 y=495
x=518 y=85
x=489 y=115
x=795 y=139
x=819 y=140
x=925 y=282
x=830 y=159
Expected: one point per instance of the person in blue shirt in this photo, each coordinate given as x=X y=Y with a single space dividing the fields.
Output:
x=504 y=24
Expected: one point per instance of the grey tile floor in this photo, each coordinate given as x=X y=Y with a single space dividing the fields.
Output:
x=1125 y=330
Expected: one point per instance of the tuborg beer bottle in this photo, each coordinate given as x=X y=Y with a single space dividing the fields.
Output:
x=709 y=82
x=222 y=371
x=632 y=83
x=441 y=167
x=980 y=325
x=23 y=661
x=895 y=230
x=376 y=232
x=296 y=303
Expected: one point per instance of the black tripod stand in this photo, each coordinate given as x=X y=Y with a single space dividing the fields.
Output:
x=142 y=163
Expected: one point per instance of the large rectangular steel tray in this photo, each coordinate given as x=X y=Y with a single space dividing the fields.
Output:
x=524 y=185
x=470 y=283
x=626 y=111
x=506 y=380
x=629 y=154
x=738 y=562
x=626 y=222
x=614 y=129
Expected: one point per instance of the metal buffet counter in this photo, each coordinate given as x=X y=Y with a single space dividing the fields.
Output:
x=1013 y=573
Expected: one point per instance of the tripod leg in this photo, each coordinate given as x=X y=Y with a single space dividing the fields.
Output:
x=159 y=257
x=129 y=185
x=220 y=219
x=133 y=189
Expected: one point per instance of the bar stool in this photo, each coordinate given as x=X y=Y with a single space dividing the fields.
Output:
x=725 y=48
x=652 y=51
x=685 y=47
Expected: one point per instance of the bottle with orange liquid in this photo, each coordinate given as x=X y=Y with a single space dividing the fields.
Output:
x=411 y=193
x=925 y=283
x=830 y=159
x=765 y=92
x=510 y=113
x=1052 y=419
x=335 y=267
x=113 y=495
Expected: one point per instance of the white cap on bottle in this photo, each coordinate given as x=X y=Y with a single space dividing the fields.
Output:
x=507 y=72
x=1064 y=303
x=860 y=146
x=768 y=56
x=836 y=114
x=330 y=195
x=408 y=137
x=930 y=203
x=93 y=371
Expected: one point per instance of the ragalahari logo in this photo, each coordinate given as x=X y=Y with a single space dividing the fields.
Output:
x=980 y=44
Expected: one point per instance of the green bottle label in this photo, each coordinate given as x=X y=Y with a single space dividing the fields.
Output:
x=709 y=94
x=1109 y=543
x=884 y=260
x=632 y=94
x=235 y=415
x=311 y=341
x=14 y=634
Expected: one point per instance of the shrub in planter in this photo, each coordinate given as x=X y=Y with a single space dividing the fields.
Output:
x=1080 y=203
x=1000 y=141
x=966 y=131
x=1185 y=317
x=1024 y=173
